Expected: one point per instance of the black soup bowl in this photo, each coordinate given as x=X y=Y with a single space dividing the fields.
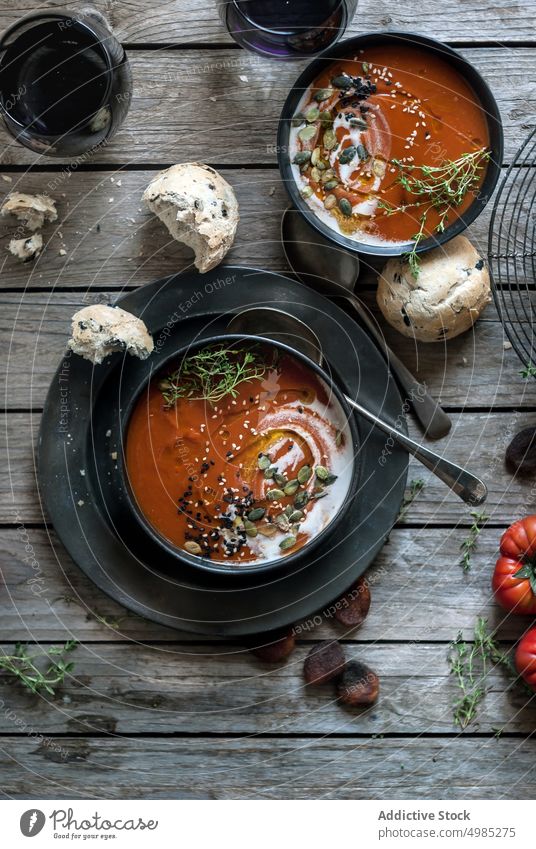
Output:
x=173 y=554
x=348 y=49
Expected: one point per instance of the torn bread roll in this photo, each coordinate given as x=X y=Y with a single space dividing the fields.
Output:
x=99 y=330
x=450 y=293
x=27 y=249
x=198 y=207
x=33 y=210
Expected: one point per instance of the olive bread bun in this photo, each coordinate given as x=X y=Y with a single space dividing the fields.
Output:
x=99 y=330
x=446 y=299
x=198 y=207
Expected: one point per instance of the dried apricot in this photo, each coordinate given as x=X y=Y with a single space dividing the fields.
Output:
x=351 y=609
x=358 y=684
x=324 y=662
x=274 y=647
x=521 y=453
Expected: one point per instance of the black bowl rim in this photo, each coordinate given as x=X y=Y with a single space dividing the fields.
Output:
x=282 y=564
x=483 y=94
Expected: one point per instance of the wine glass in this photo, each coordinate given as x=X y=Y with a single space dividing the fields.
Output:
x=287 y=29
x=65 y=82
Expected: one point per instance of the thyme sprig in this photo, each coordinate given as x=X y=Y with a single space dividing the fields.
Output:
x=470 y=543
x=411 y=493
x=212 y=373
x=24 y=666
x=471 y=663
x=439 y=187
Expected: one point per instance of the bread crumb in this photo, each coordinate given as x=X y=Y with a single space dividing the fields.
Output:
x=80 y=502
x=507 y=346
x=62 y=251
x=7 y=179
x=113 y=455
x=108 y=432
x=244 y=78
x=272 y=192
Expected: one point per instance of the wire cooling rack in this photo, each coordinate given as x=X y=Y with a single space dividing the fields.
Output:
x=512 y=253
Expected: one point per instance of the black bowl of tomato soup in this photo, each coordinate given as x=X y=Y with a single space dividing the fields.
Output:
x=390 y=144
x=239 y=456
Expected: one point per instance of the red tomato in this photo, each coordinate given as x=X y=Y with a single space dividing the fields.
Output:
x=514 y=579
x=526 y=657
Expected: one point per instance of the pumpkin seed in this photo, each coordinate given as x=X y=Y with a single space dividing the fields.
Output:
x=315 y=156
x=331 y=184
x=269 y=473
x=304 y=474
x=338 y=438
x=327 y=175
x=330 y=201
x=302 y=157
x=318 y=495
x=347 y=154
x=275 y=494
x=288 y=542
x=329 y=139
x=282 y=522
x=250 y=528
x=323 y=94
x=330 y=479
x=280 y=479
x=192 y=547
x=267 y=530
x=362 y=152
x=345 y=206
x=366 y=67
x=296 y=516
x=342 y=81
x=326 y=119
x=322 y=165
x=321 y=472
x=358 y=123
x=379 y=167
x=312 y=114
x=307 y=133
x=256 y=514
x=298 y=119
x=306 y=192
x=263 y=462
x=301 y=500
x=315 y=175
x=292 y=487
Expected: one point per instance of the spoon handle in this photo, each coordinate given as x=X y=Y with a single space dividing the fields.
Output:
x=433 y=419
x=466 y=485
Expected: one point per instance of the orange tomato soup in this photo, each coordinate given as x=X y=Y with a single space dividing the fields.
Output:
x=405 y=108
x=249 y=477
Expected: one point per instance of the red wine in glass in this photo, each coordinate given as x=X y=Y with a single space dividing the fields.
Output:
x=65 y=82
x=287 y=29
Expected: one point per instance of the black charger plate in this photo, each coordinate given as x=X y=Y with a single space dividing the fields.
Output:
x=77 y=474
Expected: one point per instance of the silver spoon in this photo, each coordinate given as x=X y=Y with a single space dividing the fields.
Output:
x=333 y=271
x=282 y=327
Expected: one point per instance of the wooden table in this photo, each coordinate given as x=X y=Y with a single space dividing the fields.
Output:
x=149 y=712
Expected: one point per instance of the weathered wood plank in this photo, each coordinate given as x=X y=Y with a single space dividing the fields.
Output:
x=121 y=243
x=473 y=370
x=194 y=690
x=301 y=768
x=419 y=592
x=476 y=441
x=172 y=118
x=452 y=20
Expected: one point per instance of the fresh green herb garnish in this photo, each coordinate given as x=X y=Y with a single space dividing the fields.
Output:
x=471 y=663
x=22 y=665
x=528 y=371
x=442 y=187
x=211 y=374
x=469 y=544
x=411 y=493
